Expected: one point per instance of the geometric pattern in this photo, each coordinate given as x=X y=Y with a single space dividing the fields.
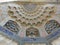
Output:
x=51 y=26
x=12 y=26
x=32 y=16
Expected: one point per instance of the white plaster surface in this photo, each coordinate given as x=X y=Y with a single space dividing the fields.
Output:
x=6 y=41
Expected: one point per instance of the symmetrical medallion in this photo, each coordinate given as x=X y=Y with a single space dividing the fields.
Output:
x=32 y=32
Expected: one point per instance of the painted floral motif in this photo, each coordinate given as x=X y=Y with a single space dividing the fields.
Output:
x=32 y=32
x=51 y=25
x=12 y=26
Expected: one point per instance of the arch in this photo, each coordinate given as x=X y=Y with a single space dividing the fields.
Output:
x=51 y=25
x=32 y=32
x=12 y=26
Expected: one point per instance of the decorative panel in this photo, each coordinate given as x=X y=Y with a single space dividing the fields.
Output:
x=12 y=26
x=51 y=26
